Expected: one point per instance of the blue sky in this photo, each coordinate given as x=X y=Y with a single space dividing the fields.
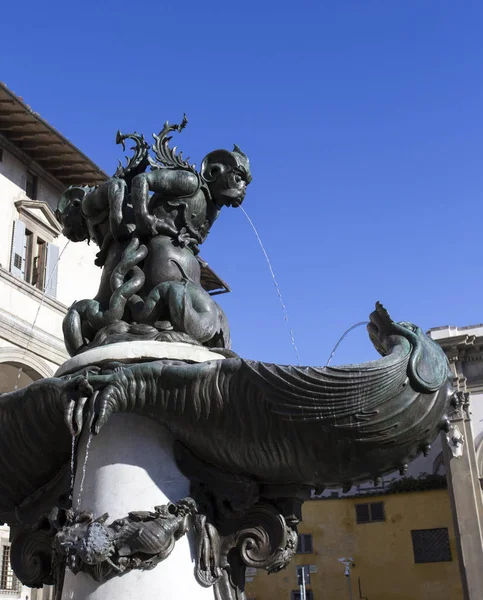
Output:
x=363 y=122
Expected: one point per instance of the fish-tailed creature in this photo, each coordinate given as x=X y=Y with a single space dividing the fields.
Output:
x=276 y=424
x=141 y=540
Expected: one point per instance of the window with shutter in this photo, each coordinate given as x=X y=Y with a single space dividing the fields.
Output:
x=431 y=545
x=304 y=544
x=52 y=267
x=370 y=513
x=33 y=259
x=362 y=513
x=377 y=511
x=34 y=256
x=17 y=255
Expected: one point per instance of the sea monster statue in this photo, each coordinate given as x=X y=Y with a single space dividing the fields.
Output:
x=254 y=439
x=149 y=245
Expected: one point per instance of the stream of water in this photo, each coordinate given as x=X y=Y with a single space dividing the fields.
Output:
x=84 y=470
x=72 y=469
x=342 y=337
x=275 y=282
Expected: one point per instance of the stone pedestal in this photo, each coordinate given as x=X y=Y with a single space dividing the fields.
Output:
x=137 y=352
x=130 y=467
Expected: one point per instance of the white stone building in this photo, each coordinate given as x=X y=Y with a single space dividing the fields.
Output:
x=463 y=450
x=41 y=273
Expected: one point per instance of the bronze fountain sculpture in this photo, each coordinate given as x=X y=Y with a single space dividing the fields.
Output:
x=253 y=438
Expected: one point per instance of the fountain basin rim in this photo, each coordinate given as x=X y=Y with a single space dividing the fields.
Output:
x=138 y=351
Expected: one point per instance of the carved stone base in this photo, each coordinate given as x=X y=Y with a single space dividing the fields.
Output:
x=138 y=351
x=130 y=467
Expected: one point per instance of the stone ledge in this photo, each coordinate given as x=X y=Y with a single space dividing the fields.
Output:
x=37 y=341
x=137 y=351
x=32 y=292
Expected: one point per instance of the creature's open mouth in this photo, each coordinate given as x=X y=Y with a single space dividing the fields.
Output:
x=74 y=234
x=377 y=328
x=373 y=331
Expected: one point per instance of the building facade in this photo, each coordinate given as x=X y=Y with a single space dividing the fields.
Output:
x=398 y=547
x=41 y=273
x=463 y=450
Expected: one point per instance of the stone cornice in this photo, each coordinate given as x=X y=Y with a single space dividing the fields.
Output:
x=29 y=211
x=37 y=138
x=31 y=291
x=458 y=340
x=30 y=163
x=39 y=342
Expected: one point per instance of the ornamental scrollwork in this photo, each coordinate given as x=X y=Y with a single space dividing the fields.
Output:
x=460 y=406
x=139 y=541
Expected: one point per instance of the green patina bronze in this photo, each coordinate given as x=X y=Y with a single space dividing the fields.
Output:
x=254 y=438
x=149 y=226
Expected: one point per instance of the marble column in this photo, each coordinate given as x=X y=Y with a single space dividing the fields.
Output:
x=129 y=466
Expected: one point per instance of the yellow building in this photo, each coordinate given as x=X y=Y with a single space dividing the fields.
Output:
x=403 y=548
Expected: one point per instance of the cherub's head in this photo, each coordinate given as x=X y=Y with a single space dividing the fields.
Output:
x=227 y=175
x=69 y=214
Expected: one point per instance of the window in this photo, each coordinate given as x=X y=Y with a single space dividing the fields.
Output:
x=431 y=545
x=370 y=513
x=304 y=544
x=298 y=596
x=32 y=258
x=303 y=573
x=35 y=260
x=8 y=581
x=31 y=186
